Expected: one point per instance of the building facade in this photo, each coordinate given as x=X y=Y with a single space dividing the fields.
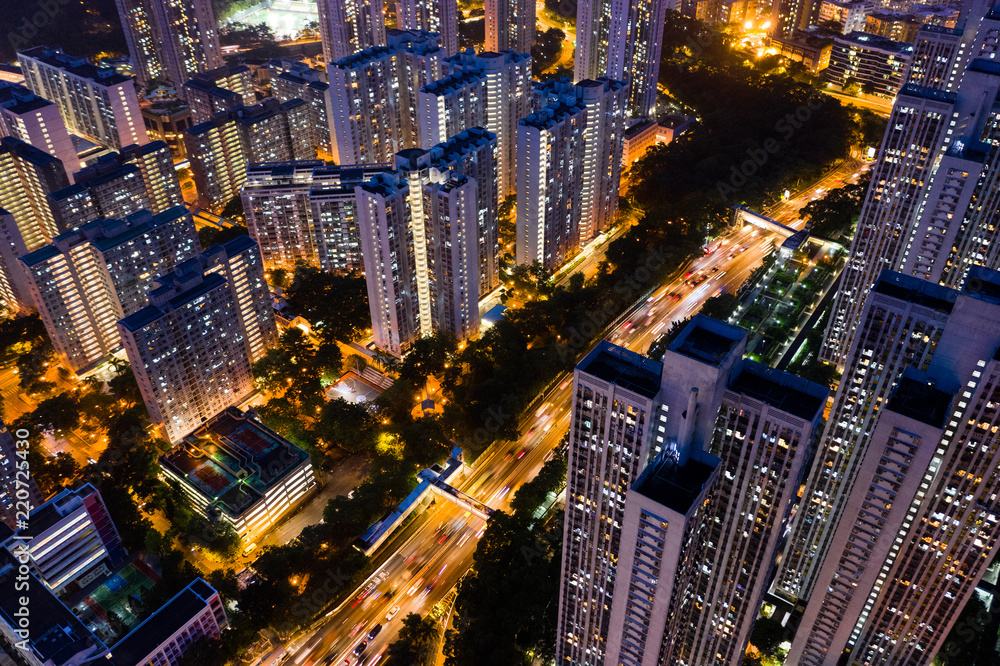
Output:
x=36 y=121
x=169 y=41
x=95 y=102
x=70 y=540
x=877 y=65
x=27 y=176
x=439 y=16
x=510 y=25
x=349 y=26
x=89 y=278
x=191 y=348
x=15 y=289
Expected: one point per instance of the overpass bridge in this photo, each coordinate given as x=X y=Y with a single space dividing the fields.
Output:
x=744 y=215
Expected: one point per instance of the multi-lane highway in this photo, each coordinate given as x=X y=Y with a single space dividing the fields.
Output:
x=428 y=558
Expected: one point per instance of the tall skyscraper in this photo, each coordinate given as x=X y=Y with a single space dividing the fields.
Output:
x=921 y=176
x=373 y=96
x=315 y=92
x=27 y=176
x=508 y=100
x=510 y=25
x=622 y=42
x=421 y=242
x=221 y=148
x=899 y=328
x=569 y=163
x=170 y=40
x=217 y=90
x=919 y=525
x=34 y=120
x=306 y=211
x=349 y=26
x=440 y=16
x=670 y=565
x=89 y=278
x=191 y=348
x=95 y=102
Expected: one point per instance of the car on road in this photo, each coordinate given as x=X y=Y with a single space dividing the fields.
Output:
x=510 y=454
x=357 y=628
x=521 y=454
x=374 y=632
x=360 y=647
x=392 y=613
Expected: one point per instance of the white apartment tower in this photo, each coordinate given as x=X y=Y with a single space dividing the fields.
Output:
x=421 y=247
x=373 y=96
x=622 y=39
x=306 y=211
x=662 y=566
x=349 y=26
x=170 y=41
x=510 y=25
x=900 y=328
x=507 y=79
x=25 y=116
x=913 y=218
x=192 y=347
x=569 y=165
x=89 y=278
x=439 y=16
x=919 y=525
x=95 y=102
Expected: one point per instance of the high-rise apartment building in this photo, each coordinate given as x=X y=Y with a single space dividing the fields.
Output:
x=170 y=41
x=218 y=90
x=221 y=148
x=439 y=16
x=918 y=525
x=569 y=165
x=667 y=562
x=118 y=184
x=508 y=88
x=899 y=328
x=510 y=25
x=933 y=136
x=27 y=176
x=621 y=41
x=69 y=539
x=420 y=239
x=373 y=96
x=306 y=211
x=315 y=92
x=192 y=347
x=89 y=278
x=349 y=26
x=95 y=102
x=15 y=292
x=877 y=64
x=788 y=16
x=15 y=487
x=34 y=120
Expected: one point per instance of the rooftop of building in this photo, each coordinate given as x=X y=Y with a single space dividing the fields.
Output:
x=452 y=82
x=877 y=42
x=461 y=144
x=56 y=635
x=623 y=368
x=173 y=295
x=925 y=92
x=676 y=487
x=162 y=624
x=917 y=397
x=983 y=284
x=640 y=127
x=384 y=184
x=362 y=57
x=551 y=115
x=985 y=65
x=781 y=390
x=49 y=514
x=223 y=72
x=209 y=86
x=81 y=67
x=233 y=460
x=27 y=152
x=707 y=340
x=19 y=100
x=914 y=290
